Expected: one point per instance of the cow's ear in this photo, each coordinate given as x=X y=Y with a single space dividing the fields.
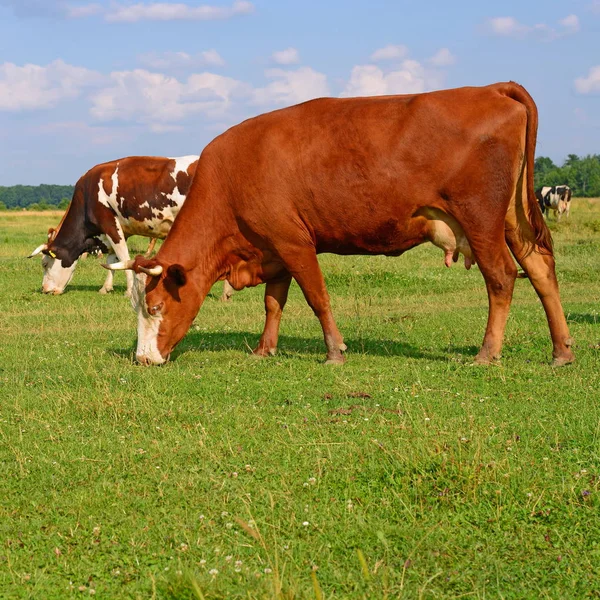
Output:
x=177 y=274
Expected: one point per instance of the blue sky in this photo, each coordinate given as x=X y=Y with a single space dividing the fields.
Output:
x=86 y=81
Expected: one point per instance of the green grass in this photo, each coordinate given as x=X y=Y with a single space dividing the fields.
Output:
x=406 y=473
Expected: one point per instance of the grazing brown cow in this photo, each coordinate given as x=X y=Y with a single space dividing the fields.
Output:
x=373 y=175
x=138 y=195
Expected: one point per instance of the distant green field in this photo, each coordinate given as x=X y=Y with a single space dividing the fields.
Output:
x=406 y=473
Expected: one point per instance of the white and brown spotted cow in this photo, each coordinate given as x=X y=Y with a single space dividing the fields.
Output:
x=556 y=198
x=138 y=195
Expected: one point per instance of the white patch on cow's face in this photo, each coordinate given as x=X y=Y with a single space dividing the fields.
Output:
x=148 y=325
x=56 y=277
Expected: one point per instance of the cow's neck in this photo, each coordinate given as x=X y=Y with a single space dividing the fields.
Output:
x=70 y=239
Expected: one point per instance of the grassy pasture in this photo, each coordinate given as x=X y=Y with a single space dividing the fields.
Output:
x=406 y=473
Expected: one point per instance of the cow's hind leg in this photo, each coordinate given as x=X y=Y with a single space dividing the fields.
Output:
x=499 y=272
x=541 y=272
x=108 y=282
x=302 y=263
x=276 y=294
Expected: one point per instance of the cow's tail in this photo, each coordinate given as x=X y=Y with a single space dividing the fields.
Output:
x=541 y=233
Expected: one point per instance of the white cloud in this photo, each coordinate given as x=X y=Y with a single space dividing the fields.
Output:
x=389 y=52
x=511 y=27
x=32 y=87
x=147 y=97
x=85 y=10
x=167 y=11
x=589 y=84
x=119 y=11
x=289 y=56
x=507 y=26
x=442 y=58
x=570 y=24
x=411 y=78
x=291 y=87
x=170 y=61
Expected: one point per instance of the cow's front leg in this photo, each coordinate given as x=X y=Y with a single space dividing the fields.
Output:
x=276 y=294
x=118 y=241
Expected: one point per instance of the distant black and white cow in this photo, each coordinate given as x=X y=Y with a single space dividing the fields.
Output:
x=556 y=198
x=138 y=195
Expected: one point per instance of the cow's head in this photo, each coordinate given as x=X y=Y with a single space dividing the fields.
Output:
x=166 y=301
x=59 y=263
x=58 y=269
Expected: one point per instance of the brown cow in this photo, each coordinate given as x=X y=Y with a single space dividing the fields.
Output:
x=373 y=175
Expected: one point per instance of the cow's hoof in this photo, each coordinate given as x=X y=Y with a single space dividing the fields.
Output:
x=263 y=352
x=128 y=294
x=225 y=298
x=336 y=360
x=486 y=359
x=561 y=361
x=105 y=291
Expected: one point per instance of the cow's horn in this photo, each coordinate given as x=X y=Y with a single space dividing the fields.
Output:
x=38 y=250
x=154 y=271
x=120 y=266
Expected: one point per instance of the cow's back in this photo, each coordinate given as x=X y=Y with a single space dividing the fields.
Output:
x=143 y=193
x=358 y=168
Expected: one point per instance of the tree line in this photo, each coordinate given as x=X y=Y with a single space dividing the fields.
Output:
x=35 y=197
x=581 y=174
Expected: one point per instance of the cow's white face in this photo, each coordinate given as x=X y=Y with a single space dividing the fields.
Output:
x=56 y=277
x=148 y=324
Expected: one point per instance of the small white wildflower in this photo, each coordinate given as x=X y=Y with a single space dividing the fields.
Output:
x=238 y=563
x=267 y=570
x=305 y=484
x=229 y=525
x=234 y=474
x=305 y=523
x=202 y=561
x=229 y=558
x=213 y=572
x=202 y=517
x=529 y=494
x=224 y=513
x=427 y=419
x=312 y=480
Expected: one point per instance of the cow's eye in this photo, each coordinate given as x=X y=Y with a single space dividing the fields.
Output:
x=156 y=309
